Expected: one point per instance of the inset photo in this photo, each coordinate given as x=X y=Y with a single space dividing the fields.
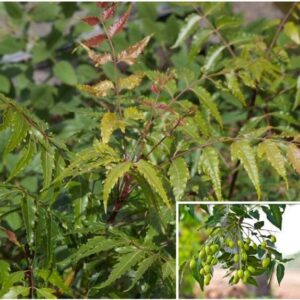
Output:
x=238 y=251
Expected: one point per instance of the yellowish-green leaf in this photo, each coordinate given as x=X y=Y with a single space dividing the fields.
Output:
x=274 y=156
x=149 y=173
x=234 y=87
x=179 y=174
x=207 y=100
x=293 y=155
x=209 y=164
x=109 y=123
x=131 y=82
x=46 y=293
x=292 y=31
x=112 y=178
x=243 y=151
x=100 y=89
x=132 y=113
x=202 y=123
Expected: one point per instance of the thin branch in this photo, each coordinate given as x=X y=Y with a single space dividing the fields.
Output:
x=216 y=31
x=280 y=27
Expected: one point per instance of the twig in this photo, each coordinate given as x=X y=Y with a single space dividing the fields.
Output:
x=280 y=27
x=216 y=31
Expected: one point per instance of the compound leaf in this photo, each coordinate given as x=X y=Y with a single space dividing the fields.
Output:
x=293 y=155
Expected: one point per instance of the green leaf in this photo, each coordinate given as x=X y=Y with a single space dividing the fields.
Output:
x=297 y=97
x=179 y=174
x=93 y=246
x=4 y=84
x=46 y=293
x=234 y=87
x=191 y=24
x=277 y=216
x=149 y=173
x=124 y=265
x=207 y=100
x=28 y=213
x=112 y=178
x=242 y=150
x=280 y=273
x=46 y=11
x=14 y=9
x=169 y=269
x=274 y=156
x=24 y=161
x=19 y=130
x=293 y=155
x=209 y=163
x=142 y=268
x=64 y=71
x=47 y=160
x=199 y=39
x=15 y=292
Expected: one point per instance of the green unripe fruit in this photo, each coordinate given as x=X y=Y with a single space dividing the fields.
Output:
x=245 y=279
x=263 y=245
x=246 y=247
x=246 y=273
x=236 y=278
x=244 y=256
x=247 y=240
x=273 y=239
x=265 y=262
x=192 y=263
x=202 y=271
x=251 y=269
x=214 y=248
x=214 y=261
x=254 y=246
x=207 y=279
x=202 y=254
x=209 y=259
x=240 y=273
x=236 y=258
x=240 y=243
x=207 y=269
x=230 y=243
x=207 y=250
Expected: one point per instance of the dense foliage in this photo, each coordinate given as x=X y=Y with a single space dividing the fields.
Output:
x=172 y=103
x=236 y=241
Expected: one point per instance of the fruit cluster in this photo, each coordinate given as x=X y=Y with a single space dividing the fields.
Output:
x=243 y=257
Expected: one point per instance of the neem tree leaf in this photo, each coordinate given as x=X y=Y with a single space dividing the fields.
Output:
x=242 y=150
